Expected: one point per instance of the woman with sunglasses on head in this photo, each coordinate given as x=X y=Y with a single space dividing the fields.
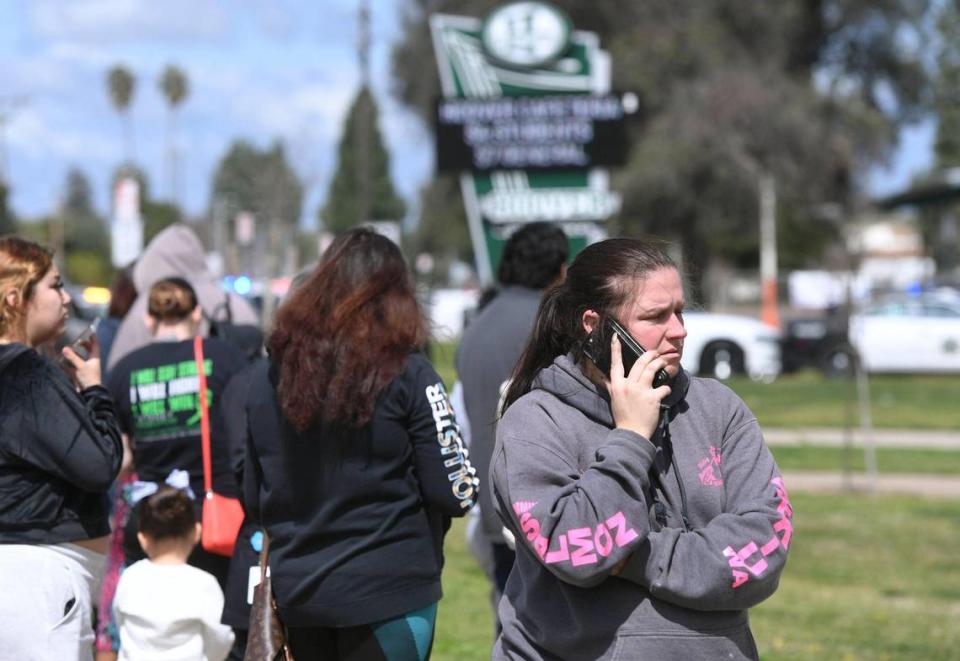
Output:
x=60 y=450
x=354 y=461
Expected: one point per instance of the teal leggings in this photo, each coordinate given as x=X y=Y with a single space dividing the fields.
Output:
x=406 y=638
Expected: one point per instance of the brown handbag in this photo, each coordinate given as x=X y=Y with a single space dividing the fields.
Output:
x=267 y=637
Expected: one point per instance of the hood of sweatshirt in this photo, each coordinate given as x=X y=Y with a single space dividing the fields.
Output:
x=566 y=381
x=176 y=251
x=9 y=353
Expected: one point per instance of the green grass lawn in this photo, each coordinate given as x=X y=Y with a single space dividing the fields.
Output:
x=808 y=399
x=889 y=460
x=868 y=578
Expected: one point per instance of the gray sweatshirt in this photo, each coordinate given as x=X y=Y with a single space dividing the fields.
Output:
x=176 y=251
x=583 y=497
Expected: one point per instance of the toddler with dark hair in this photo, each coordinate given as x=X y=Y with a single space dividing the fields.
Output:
x=166 y=609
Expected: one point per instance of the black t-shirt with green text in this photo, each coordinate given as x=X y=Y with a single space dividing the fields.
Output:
x=156 y=391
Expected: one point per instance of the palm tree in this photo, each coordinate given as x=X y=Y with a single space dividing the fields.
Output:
x=174 y=86
x=121 y=85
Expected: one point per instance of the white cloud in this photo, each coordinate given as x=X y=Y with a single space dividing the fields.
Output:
x=116 y=21
x=77 y=55
x=34 y=135
x=259 y=70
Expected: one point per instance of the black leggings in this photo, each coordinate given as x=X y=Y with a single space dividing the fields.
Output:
x=405 y=638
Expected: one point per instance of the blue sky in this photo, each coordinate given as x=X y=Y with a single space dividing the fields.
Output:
x=258 y=70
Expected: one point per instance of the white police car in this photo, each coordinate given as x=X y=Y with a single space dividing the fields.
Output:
x=723 y=345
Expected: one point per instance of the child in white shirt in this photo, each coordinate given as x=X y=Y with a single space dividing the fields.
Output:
x=165 y=609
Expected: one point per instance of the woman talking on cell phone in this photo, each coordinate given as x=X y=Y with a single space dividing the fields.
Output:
x=648 y=517
x=60 y=449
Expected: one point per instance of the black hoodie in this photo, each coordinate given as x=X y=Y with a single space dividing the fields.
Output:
x=357 y=518
x=59 y=453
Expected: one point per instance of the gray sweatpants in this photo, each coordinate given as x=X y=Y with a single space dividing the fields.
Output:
x=45 y=601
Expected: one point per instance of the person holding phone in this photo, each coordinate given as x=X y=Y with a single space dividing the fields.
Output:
x=648 y=518
x=60 y=450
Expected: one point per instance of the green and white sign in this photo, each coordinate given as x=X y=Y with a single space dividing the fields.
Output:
x=525 y=49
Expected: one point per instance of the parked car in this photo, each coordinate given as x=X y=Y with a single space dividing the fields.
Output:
x=815 y=341
x=722 y=345
x=908 y=334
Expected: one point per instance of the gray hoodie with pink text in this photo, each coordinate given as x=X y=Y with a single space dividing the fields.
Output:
x=696 y=519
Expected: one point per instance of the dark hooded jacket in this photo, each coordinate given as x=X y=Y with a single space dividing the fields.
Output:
x=59 y=453
x=357 y=517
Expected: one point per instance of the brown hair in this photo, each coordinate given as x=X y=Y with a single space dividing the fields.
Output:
x=23 y=264
x=167 y=514
x=345 y=333
x=171 y=300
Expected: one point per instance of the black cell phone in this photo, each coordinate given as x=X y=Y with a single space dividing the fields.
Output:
x=597 y=349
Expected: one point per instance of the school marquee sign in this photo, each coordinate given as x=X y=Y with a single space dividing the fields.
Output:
x=529 y=121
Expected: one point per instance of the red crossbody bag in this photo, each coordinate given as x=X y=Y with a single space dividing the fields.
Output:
x=222 y=516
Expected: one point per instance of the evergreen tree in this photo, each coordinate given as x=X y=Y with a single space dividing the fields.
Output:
x=86 y=243
x=361 y=189
x=8 y=222
x=264 y=184
x=947 y=88
x=261 y=182
x=938 y=220
x=809 y=91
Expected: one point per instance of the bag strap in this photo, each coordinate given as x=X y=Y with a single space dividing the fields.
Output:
x=264 y=555
x=204 y=417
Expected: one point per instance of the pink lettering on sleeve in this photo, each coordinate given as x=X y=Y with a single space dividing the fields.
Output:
x=578 y=546
x=524 y=506
x=739 y=578
x=782 y=533
x=624 y=533
x=558 y=555
x=580 y=540
x=602 y=540
x=738 y=559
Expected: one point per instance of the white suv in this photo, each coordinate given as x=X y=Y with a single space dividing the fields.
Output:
x=908 y=334
x=721 y=345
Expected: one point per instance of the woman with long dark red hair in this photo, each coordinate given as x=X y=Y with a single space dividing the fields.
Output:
x=354 y=460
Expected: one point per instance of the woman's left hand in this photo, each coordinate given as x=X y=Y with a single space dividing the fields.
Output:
x=85 y=372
